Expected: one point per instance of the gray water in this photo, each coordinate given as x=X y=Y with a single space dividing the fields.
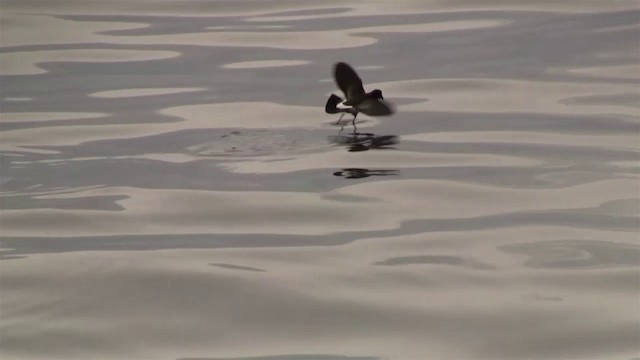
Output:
x=171 y=187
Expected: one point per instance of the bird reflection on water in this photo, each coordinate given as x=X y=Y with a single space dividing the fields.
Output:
x=357 y=173
x=363 y=142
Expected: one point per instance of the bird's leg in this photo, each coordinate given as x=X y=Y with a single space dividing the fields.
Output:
x=338 y=122
x=353 y=122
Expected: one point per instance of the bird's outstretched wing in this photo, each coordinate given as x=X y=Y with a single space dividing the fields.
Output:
x=348 y=81
x=375 y=107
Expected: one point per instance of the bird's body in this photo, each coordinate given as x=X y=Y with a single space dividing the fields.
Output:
x=357 y=100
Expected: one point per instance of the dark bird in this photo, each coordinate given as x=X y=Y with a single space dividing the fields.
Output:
x=358 y=101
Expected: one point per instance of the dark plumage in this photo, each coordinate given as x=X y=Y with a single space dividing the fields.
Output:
x=371 y=103
x=332 y=106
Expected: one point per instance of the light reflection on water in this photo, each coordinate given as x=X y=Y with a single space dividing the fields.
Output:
x=172 y=187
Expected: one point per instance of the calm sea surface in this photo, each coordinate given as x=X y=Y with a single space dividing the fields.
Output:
x=171 y=187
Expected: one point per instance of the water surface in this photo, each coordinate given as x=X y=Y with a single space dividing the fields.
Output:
x=171 y=187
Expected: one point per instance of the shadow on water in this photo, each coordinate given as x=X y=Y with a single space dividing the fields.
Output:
x=355 y=142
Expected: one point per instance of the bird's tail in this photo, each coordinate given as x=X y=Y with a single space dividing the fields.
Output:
x=332 y=104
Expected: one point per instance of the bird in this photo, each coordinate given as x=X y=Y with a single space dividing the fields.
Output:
x=357 y=100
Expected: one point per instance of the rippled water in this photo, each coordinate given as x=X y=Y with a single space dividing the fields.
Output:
x=172 y=188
